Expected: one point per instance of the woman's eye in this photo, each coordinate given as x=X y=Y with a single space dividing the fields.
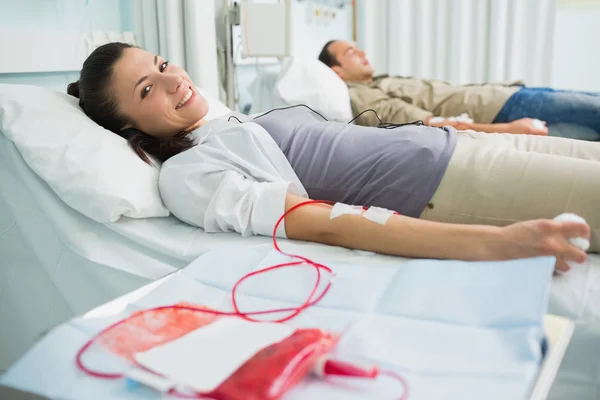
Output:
x=145 y=91
x=163 y=66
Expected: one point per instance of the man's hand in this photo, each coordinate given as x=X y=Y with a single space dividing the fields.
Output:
x=526 y=126
x=520 y=126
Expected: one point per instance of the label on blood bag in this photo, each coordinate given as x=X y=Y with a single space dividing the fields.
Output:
x=206 y=357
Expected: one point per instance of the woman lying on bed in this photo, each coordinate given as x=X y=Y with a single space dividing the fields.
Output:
x=459 y=195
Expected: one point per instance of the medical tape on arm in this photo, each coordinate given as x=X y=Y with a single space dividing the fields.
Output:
x=378 y=215
x=340 y=209
x=373 y=214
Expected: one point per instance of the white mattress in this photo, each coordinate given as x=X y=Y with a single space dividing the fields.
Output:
x=55 y=263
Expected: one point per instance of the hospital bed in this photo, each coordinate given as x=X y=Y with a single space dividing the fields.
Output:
x=56 y=262
x=310 y=82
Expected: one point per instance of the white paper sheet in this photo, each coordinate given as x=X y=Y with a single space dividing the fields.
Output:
x=206 y=357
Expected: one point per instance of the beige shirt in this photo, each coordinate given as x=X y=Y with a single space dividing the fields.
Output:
x=401 y=100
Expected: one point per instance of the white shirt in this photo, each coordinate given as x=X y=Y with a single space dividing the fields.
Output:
x=235 y=179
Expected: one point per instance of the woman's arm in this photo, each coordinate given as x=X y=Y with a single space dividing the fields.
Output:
x=412 y=237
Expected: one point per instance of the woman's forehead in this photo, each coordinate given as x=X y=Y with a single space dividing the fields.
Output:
x=135 y=60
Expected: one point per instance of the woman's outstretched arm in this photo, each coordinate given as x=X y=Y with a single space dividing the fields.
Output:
x=412 y=237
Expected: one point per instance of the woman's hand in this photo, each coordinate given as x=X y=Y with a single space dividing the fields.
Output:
x=543 y=238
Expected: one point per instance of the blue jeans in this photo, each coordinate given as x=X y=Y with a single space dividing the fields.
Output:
x=555 y=107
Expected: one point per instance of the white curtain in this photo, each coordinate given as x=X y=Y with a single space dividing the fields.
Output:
x=184 y=32
x=459 y=40
x=372 y=32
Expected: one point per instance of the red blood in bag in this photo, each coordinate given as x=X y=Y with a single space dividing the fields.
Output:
x=274 y=370
x=267 y=375
x=145 y=329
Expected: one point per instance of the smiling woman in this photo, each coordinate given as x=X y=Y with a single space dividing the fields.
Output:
x=154 y=104
x=140 y=96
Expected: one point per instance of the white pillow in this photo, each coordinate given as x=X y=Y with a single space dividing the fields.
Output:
x=90 y=168
x=310 y=82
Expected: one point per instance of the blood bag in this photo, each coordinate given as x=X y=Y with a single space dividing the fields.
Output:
x=160 y=342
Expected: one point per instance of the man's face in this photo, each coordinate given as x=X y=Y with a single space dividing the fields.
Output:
x=354 y=66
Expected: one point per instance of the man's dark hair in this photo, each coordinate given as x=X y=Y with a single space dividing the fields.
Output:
x=326 y=57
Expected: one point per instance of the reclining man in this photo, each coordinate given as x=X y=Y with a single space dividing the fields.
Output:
x=503 y=108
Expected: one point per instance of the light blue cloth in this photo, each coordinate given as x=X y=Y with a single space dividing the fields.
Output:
x=453 y=330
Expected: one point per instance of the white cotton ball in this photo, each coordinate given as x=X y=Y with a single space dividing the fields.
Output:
x=580 y=242
x=435 y=120
x=569 y=217
x=536 y=123
x=464 y=117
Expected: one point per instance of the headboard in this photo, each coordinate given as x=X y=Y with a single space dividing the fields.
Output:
x=41 y=52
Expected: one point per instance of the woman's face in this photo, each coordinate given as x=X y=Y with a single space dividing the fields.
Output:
x=158 y=98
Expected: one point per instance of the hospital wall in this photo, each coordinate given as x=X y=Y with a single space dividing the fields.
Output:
x=576 y=57
x=76 y=16
x=575 y=62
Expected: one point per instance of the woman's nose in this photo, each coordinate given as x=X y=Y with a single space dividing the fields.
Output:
x=172 y=82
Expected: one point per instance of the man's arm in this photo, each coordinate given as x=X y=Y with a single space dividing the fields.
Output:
x=397 y=111
x=521 y=126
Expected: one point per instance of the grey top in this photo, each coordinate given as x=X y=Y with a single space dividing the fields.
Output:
x=399 y=169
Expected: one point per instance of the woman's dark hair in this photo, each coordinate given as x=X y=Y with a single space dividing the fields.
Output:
x=326 y=57
x=96 y=99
